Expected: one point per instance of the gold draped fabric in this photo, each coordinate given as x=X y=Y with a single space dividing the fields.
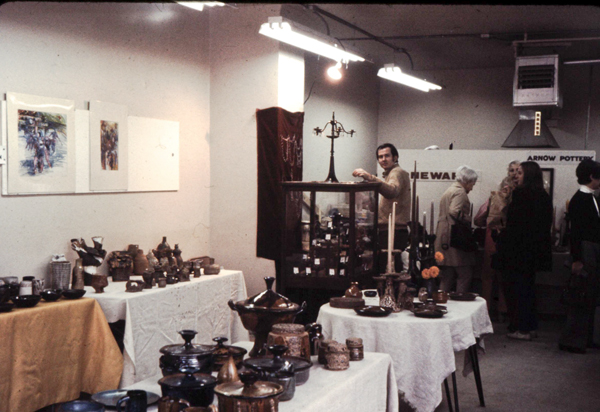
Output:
x=53 y=351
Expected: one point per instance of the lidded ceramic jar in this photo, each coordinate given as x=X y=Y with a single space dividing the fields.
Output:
x=188 y=355
x=266 y=365
x=249 y=395
x=197 y=388
x=338 y=357
x=292 y=335
x=222 y=353
x=356 y=349
x=323 y=350
x=260 y=312
x=353 y=291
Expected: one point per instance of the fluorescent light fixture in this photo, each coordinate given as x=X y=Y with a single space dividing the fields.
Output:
x=199 y=5
x=393 y=73
x=334 y=71
x=307 y=39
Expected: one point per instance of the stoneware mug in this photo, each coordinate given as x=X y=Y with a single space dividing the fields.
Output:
x=169 y=404
x=136 y=402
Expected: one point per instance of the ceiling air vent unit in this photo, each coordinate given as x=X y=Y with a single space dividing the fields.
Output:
x=536 y=82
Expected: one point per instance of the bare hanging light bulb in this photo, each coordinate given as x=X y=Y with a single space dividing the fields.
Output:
x=334 y=71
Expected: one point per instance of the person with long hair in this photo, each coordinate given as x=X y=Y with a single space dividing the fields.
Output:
x=494 y=220
x=524 y=248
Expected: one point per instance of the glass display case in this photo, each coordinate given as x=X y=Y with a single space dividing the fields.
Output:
x=329 y=239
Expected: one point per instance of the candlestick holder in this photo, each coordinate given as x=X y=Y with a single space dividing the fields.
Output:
x=337 y=129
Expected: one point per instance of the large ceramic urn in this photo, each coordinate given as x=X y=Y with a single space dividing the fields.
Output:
x=260 y=312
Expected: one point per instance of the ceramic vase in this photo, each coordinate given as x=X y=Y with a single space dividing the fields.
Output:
x=77 y=281
x=99 y=282
x=177 y=255
x=431 y=287
x=140 y=263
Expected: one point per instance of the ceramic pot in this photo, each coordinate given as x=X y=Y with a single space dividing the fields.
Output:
x=177 y=256
x=170 y=404
x=152 y=260
x=292 y=335
x=77 y=281
x=133 y=250
x=266 y=365
x=338 y=357
x=287 y=380
x=149 y=281
x=323 y=350
x=134 y=286
x=140 y=263
x=99 y=282
x=188 y=355
x=249 y=395
x=260 y=312
x=356 y=349
x=353 y=291
x=228 y=372
x=222 y=353
x=136 y=402
x=315 y=336
x=26 y=288
x=162 y=282
x=440 y=296
x=197 y=388
x=163 y=249
x=37 y=286
x=431 y=286
x=120 y=266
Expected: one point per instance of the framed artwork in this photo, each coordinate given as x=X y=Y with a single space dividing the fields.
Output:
x=108 y=147
x=548 y=177
x=41 y=144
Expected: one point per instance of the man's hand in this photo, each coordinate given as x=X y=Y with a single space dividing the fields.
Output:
x=576 y=268
x=362 y=173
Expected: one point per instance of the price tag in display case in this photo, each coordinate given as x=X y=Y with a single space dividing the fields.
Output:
x=317 y=261
x=342 y=272
x=328 y=236
x=308 y=271
x=296 y=271
x=331 y=272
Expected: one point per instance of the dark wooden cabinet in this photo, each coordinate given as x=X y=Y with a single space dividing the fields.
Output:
x=329 y=240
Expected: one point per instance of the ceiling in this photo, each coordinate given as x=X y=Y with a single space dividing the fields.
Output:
x=438 y=37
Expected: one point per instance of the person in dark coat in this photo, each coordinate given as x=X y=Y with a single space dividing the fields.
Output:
x=524 y=248
x=584 y=215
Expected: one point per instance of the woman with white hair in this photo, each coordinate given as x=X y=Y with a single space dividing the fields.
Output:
x=455 y=205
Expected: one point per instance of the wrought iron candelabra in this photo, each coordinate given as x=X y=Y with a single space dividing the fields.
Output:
x=337 y=129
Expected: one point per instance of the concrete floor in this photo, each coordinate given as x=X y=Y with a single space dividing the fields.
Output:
x=530 y=376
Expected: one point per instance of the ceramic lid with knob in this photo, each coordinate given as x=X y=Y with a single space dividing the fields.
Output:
x=188 y=379
x=249 y=388
x=277 y=361
x=269 y=299
x=188 y=348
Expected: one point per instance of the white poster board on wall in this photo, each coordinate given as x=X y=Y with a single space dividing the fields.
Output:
x=435 y=167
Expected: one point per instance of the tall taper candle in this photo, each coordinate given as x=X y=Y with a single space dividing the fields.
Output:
x=431 y=220
x=393 y=223
x=424 y=220
x=390 y=245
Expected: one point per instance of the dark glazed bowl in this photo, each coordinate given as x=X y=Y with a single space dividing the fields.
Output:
x=4 y=292
x=51 y=295
x=73 y=293
x=6 y=307
x=81 y=406
x=26 y=301
x=197 y=388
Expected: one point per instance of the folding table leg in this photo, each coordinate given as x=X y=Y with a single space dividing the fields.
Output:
x=448 y=398
x=455 y=391
x=475 y=361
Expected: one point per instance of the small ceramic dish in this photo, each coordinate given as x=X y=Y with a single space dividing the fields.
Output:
x=110 y=398
x=51 y=295
x=421 y=305
x=6 y=307
x=463 y=296
x=81 y=406
x=374 y=311
x=370 y=293
x=26 y=301
x=428 y=313
x=73 y=293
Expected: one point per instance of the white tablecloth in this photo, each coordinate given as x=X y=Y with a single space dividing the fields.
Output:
x=367 y=386
x=422 y=349
x=154 y=316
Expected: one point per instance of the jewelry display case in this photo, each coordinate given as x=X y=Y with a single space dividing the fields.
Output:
x=329 y=239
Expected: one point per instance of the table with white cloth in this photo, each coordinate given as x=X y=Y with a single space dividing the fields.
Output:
x=422 y=349
x=154 y=316
x=368 y=385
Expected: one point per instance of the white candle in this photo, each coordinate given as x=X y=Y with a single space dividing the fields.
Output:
x=393 y=223
x=424 y=220
x=390 y=245
x=431 y=220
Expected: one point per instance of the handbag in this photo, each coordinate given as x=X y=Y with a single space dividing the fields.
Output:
x=461 y=236
x=576 y=293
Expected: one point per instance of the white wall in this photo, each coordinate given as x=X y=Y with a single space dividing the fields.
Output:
x=153 y=58
x=245 y=71
x=355 y=101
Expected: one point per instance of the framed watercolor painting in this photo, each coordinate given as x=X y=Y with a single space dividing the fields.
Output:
x=108 y=147
x=41 y=144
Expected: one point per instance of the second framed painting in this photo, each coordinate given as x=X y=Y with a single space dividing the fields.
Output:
x=108 y=147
